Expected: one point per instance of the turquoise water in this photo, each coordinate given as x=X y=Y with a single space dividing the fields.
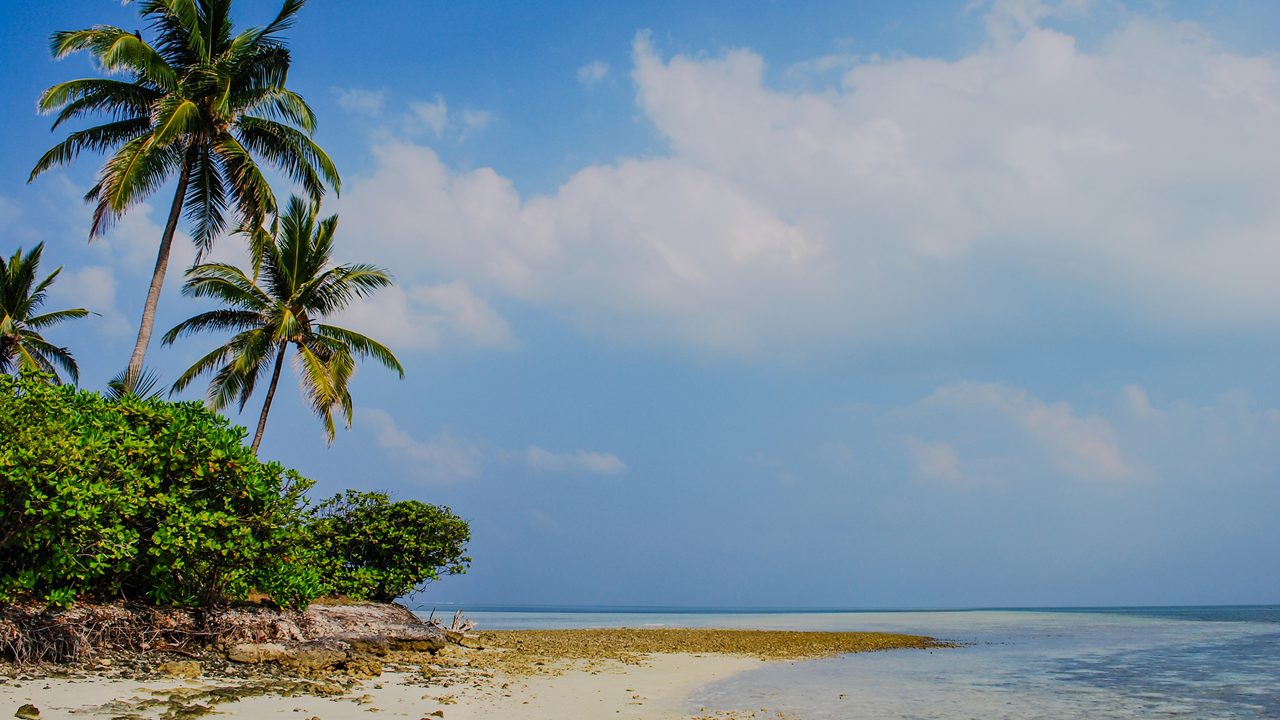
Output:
x=1070 y=663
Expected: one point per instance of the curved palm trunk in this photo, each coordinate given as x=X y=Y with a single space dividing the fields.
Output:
x=147 y=325
x=271 y=392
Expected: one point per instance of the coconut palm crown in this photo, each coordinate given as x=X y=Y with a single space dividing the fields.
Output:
x=197 y=102
x=21 y=345
x=281 y=303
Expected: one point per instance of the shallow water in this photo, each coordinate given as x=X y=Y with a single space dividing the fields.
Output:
x=1105 y=663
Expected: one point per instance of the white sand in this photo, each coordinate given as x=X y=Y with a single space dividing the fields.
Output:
x=655 y=690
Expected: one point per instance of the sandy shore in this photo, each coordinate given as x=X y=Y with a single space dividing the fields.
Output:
x=656 y=689
x=533 y=675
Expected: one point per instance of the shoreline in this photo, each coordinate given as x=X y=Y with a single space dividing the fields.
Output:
x=656 y=689
x=539 y=675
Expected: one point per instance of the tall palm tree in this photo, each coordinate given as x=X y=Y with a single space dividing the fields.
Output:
x=199 y=103
x=21 y=345
x=292 y=288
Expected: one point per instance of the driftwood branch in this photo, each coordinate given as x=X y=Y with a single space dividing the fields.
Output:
x=456 y=631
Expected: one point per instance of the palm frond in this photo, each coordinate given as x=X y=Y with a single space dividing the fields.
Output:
x=117 y=50
x=216 y=357
x=77 y=97
x=206 y=201
x=247 y=185
x=235 y=320
x=95 y=139
x=361 y=345
x=174 y=117
x=134 y=172
x=50 y=356
x=227 y=283
x=142 y=384
x=293 y=151
x=53 y=318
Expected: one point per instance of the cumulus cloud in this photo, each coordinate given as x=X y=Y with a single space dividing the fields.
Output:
x=1007 y=20
x=472 y=122
x=360 y=101
x=972 y=434
x=132 y=243
x=921 y=198
x=1075 y=446
x=444 y=458
x=433 y=115
x=581 y=461
x=593 y=73
x=935 y=461
x=92 y=288
x=448 y=458
x=424 y=317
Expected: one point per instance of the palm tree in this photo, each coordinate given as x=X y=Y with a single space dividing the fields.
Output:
x=199 y=103
x=299 y=287
x=21 y=345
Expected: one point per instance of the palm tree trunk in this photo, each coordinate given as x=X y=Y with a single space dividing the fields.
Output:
x=271 y=392
x=148 y=323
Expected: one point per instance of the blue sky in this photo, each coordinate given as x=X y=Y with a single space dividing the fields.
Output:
x=757 y=304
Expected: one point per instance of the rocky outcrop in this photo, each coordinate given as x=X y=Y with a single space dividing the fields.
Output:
x=326 y=635
x=373 y=627
x=347 y=639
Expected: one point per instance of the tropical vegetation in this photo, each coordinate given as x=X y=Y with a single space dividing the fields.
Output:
x=278 y=304
x=198 y=103
x=375 y=549
x=162 y=502
x=22 y=347
x=126 y=495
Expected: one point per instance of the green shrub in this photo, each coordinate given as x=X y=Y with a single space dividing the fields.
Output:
x=374 y=549
x=141 y=499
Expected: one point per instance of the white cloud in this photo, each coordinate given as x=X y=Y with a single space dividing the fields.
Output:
x=970 y=434
x=442 y=459
x=94 y=289
x=1219 y=443
x=581 y=461
x=1137 y=402
x=473 y=122
x=1008 y=20
x=593 y=73
x=922 y=199
x=1078 y=447
x=476 y=120
x=361 y=102
x=936 y=461
x=424 y=317
x=133 y=241
x=433 y=115
x=449 y=458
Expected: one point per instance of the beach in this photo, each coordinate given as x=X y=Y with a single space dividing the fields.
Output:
x=1111 y=663
x=599 y=673
x=656 y=688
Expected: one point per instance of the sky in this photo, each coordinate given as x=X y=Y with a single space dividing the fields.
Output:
x=822 y=304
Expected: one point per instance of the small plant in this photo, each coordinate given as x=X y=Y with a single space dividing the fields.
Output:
x=374 y=549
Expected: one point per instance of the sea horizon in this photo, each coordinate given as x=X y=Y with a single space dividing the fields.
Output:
x=417 y=606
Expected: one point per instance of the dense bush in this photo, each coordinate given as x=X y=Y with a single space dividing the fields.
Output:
x=374 y=549
x=162 y=502
x=141 y=499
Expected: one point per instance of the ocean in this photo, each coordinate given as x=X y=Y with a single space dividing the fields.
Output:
x=1095 y=663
